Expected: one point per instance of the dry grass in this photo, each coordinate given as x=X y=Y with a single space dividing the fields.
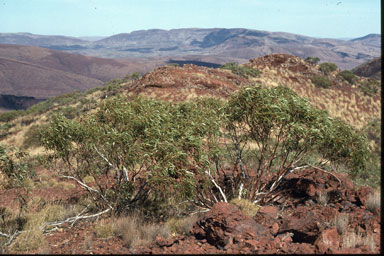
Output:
x=88 y=179
x=374 y=202
x=29 y=240
x=104 y=229
x=181 y=226
x=341 y=222
x=354 y=240
x=323 y=198
x=135 y=232
x=246 y=206
x=88 y=242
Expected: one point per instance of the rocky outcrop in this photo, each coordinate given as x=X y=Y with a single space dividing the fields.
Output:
x=304 y=219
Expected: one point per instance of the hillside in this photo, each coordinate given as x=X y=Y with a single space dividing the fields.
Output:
x=167 y=173
x=227 y=44
x=371 y=69
x=43 y=73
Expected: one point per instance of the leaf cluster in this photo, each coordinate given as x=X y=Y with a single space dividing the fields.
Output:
x=327 y=67
x=321 y=81
x=241 y=70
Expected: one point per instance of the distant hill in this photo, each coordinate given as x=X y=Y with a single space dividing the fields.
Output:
x=370 y=69
x=225 y=44
x=43 y=73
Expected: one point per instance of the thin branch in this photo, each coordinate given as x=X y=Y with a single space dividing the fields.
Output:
x=217 y=186
x=73 y=219
x=319 y=169
x=88 y=188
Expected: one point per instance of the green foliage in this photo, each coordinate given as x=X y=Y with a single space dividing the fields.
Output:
x=33 y=136
x=130 y=77
x=15 y=165
x=241 y=70
x=370 y=87
x=164 y=138
x=10 y=115
x=155 y=154
x=4 y=129
x=348 y=76
x=173 y=65
x=286 y=128
x=312 y=60
x=321 y=81
x=327 y=67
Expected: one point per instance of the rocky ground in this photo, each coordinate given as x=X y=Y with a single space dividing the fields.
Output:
x=312 y=211
x=304 y=218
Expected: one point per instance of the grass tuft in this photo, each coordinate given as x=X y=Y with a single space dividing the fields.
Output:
x=246 y=206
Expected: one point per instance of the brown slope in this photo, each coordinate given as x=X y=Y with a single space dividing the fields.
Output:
x=22 y=78
x=74 y=71
x=370 y=69
x=188 y=81
x=341 y=100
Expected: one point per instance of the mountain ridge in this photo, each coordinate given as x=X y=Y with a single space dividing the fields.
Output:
x=218 y=42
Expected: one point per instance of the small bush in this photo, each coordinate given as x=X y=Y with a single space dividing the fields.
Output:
x=241 y=70
x=246 y=206
x=104 y=229
x=32 y=136
x=321 y=81
x=10 y=115
x=312 y=60
x=88 y=179
x=327 y=67
x=370 y=87
x=347 y=76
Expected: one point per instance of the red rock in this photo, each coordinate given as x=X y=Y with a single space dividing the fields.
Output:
x=269 y=210
x=224 y=222
x=275 y=228
x=328 y=241
x=304 y=224
x=362 y=194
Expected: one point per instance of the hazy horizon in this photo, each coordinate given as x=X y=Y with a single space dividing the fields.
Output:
x=322 y=19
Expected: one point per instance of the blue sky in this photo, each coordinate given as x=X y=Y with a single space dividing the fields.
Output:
x=317 y=18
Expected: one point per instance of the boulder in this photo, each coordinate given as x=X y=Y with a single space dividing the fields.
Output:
x=224 y=222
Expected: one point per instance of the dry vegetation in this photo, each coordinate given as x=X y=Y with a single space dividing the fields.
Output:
x=347 y=103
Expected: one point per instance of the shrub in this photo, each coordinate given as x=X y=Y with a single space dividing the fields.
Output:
x=241 y=70
x=321 y=81
x=286 y=128
x=327 y=67
x=32 y=136
x=166 y=138
x=347 y=76
x=312 y=60
x=16 y=166
x=10 y=115
x=370 y=87
x=183 y=147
